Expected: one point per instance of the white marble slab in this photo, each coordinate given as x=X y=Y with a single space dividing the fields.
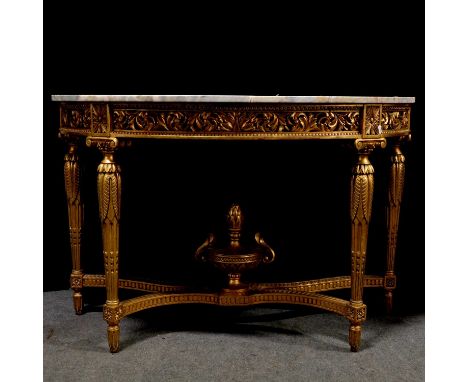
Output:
x=230 y=98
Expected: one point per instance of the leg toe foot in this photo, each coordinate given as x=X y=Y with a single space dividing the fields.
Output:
x=113 y=334
x=354 y=337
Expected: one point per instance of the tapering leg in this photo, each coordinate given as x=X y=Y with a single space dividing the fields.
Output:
x=395 y=192
x=75 y=220
x=362 y=187
x=109 y=191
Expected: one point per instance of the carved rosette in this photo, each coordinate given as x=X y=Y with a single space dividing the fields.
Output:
x=76 y=281
x=390 y=281
x=112 y=314
x=99 y=118
x=358 y=313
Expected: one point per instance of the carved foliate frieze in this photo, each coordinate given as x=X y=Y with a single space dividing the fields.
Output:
x=235 y=121
x=75 y=116
x=394 y=118
x=369 y=144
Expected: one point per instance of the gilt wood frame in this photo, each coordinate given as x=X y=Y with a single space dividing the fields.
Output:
x=111 y=122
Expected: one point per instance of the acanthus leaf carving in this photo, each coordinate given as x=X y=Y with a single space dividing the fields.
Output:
x=235 y=121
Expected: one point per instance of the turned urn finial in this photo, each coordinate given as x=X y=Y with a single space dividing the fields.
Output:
x=235 y=259
x=234 y=219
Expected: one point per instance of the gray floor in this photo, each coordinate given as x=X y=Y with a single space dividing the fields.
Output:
x=202 y=343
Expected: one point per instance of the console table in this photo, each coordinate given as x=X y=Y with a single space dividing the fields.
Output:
x=110 y=122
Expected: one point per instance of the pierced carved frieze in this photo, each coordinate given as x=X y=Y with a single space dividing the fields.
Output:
x=235 y=121
x=75 y=116
x=395 y=118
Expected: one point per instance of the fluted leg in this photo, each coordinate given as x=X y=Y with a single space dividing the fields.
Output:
x=395 y=192
x=362 y=188
x=75 y=221
x=109 y=191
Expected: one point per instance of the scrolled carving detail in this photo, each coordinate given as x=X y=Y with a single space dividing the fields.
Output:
x=269 y=255
x=75 y=117
x=395 y=119
x=236 y=121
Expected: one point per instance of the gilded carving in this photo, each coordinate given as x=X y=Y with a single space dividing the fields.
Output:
x=109 y=189
x=367 y=122
x=329 y=303
x=390 y=281
x=75 y=221
x=372 y=121
x=357 y=314
x=395 y=195
x=99 y=118
x=395 y=118
x=104 y=144
x=320 y=285
x=366 y=145
x=112 y=314
x=362 y=188
x=76 y=281
x=75 y=116
x=235 y=121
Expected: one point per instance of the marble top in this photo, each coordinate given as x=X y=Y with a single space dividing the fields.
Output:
x=230 y=98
